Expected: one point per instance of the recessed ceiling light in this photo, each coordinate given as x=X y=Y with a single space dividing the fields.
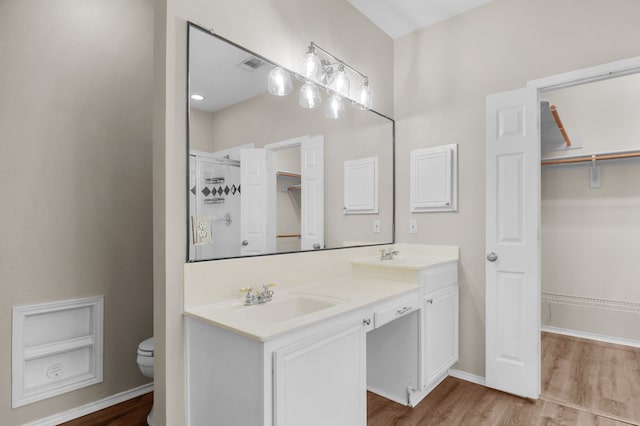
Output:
x=197 y=97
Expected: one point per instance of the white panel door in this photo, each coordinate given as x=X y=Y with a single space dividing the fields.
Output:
x=253 y=199
x=312 y=180
x=322 y=381
x=512 y=242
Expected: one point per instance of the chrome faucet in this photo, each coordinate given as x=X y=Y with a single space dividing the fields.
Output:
x=387 y=254
x=252 y=298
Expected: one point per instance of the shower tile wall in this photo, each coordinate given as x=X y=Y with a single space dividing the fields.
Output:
x=215 y=200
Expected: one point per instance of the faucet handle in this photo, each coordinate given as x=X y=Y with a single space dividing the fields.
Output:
x=247 y=290
x=267 y=289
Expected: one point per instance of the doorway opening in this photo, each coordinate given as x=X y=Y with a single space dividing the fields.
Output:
x=513 y=235
x=590 y=231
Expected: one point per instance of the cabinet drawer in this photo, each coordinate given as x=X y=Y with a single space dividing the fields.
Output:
x=439 y=276
x=396 y=310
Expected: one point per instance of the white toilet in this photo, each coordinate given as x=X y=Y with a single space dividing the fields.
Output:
x=145 y=362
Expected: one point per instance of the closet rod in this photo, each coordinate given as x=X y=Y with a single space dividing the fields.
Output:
x=288 y=174
x=288 y=236
x=586 y=159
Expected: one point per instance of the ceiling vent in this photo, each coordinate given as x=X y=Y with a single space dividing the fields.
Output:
x=251 y=64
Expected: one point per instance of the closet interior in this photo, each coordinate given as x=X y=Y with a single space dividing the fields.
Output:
x=590 y=210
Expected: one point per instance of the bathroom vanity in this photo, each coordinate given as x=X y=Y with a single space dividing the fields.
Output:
x=308 y=356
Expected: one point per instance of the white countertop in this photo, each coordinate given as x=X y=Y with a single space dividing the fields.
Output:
x=341 y=294
x=402 y=261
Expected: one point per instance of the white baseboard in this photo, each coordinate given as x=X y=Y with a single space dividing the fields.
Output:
x=591 y=336
x=92 y=407
x=463 y=375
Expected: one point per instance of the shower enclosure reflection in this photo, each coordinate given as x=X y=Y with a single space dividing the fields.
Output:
x=265 y=175
x=214 y=198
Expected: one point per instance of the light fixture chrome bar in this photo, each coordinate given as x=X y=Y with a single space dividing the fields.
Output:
x=339 y=61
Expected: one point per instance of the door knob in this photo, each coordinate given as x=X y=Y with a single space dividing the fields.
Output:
x=492 y=257
x=245 y=243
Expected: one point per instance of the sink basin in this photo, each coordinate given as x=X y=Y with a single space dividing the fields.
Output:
x=283 y=307
x=290 y=308
x=402 y=261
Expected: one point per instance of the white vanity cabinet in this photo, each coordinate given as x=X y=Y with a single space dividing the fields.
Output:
x=313 y=377
x=440 y=322
x=321 y=380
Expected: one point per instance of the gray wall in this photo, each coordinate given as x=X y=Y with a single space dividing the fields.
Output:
x=442 y=77
x=75 y=176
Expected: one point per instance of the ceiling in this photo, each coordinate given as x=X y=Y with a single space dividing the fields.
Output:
x=216 y=71
x=401 y=17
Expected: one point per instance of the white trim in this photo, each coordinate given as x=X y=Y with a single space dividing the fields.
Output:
x=467 y=377
x=587 y=75
x=591 y=336
x=92 y=407
x=287 y=143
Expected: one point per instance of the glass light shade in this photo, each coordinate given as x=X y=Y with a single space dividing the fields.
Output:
x=364 y=97
x=279 y=82
x=310 y=66
x=309 y=96
x=334 y=107
x=340 y=83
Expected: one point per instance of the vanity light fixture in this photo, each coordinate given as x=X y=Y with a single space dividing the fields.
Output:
x=335 y=106
x=309 y=96
x=311 y=66
x=279 y=82
x=197 y=97
x=332 y=74
x=363 y=96
x=317 y=73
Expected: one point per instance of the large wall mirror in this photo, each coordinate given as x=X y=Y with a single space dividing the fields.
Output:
x=267 y=176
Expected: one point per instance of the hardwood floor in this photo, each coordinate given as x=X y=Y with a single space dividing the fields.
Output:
x=129 y=413
x=584 y=383
x=601 y=377
x=456 y=402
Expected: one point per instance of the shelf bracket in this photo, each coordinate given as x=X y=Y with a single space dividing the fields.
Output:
x=594 y=173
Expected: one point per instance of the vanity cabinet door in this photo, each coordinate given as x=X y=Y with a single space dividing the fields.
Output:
x=440 y=333
x=322 y=380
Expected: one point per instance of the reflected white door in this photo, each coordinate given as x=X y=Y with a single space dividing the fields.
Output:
x=512 y=242
x=253 y=198
x=312 y=180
